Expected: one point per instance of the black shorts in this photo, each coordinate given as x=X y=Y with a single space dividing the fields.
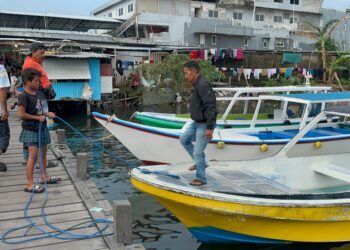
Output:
x=4 y=135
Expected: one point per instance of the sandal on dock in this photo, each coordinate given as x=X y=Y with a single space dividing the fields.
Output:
x=52 y=180
x=35 y=190
x=194 y=167
x=197 y=183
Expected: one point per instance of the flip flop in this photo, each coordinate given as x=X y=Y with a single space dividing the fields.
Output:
x=35 y=190
x=194 y=167
x=52 y=180
x=197 y=183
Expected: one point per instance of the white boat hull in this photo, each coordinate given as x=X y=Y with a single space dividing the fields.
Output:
x=159 y=146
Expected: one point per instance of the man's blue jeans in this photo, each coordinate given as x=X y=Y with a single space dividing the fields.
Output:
x=196 y=132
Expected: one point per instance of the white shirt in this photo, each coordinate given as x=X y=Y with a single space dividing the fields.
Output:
x=4 y=81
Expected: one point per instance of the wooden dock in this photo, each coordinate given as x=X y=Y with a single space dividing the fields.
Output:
x=69 y=203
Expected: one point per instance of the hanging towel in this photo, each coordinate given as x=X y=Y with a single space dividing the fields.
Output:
x=264 y=72
x=234 y=53
x=216 y=55
x=206 y=54
x=288 y=74
x=257 y=73
x=271 y=72
x=283 y=70
x=193 y=55
x=239 y=54
x=291 y=58
x=304 y=72
x=201 y=54
x=247 y=73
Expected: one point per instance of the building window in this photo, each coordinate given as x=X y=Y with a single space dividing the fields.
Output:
x=246 y=41
x=259 y=18
x=277 y=19
x=120 y=11
x=265 y=43
x=202 y=39
x=278 y=1
x=110 y=14
x=130 y=8
x=238 y=15
x=213 y=14
x=213 y=39
x=296 y=2
x=293 y=20
x=279 y=43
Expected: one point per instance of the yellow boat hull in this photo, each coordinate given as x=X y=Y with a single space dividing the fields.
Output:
x=215 y=221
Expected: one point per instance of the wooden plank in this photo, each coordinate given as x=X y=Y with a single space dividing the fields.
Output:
x=23 y=181
x=8 y=192
x=55 y=218
x=37 y=211
x=90 y=244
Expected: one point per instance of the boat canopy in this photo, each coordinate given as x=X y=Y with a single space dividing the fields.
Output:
x=309 y=98
x=338 y=110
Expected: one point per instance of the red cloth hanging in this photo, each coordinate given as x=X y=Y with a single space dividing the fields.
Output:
x=193 y=54
x=239 y=54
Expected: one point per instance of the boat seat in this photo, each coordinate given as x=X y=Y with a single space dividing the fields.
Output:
x=334 y=171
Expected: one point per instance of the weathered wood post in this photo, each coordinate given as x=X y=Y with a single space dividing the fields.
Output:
x=122 y=222
x=61 y=136
x=82 y=166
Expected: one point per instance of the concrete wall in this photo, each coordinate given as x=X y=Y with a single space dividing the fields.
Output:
x=312 y=6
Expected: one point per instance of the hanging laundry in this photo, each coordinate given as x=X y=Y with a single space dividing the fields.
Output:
x=216 y=58
x=202 y=54
x=304 y=72
x=247 y=73
x=257 y=73
x=234 y=53
x=234 y=72
x=288 y=74
x=271 y=72
x=206 y=54
x=239 y=54
x=283 y=70
x=193 y=55
x=240 y=73
x=264 y=72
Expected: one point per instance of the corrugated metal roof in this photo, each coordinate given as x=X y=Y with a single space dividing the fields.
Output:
x=51 y=21
x=81 y=55
x=67 y=69
x=104 y=6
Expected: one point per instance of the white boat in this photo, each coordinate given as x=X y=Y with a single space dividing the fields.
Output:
x=277 y=200
x=228 y=120
x=162 y=146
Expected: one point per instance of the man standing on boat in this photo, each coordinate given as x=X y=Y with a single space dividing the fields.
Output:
x=203 y=115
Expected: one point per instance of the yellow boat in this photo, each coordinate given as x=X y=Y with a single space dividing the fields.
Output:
x=280 y=199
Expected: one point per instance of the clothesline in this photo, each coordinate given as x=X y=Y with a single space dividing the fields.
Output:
x=217 y=54
x=249 y=73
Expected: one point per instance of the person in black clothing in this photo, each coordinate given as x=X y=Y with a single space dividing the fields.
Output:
x=30 y=110
x=203 y=115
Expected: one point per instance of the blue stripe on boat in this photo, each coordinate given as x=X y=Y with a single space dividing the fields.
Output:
x=212 y=235
x=320 y=96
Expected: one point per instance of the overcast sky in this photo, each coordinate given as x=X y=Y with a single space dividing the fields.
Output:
x=84 y=7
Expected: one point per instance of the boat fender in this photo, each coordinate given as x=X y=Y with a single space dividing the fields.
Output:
x=264 y=148
x=220 y=145
x=318 y=144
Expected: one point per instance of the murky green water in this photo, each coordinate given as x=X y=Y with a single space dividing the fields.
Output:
x=154 y=226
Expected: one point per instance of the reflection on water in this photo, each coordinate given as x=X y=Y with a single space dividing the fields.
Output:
x=153 y=225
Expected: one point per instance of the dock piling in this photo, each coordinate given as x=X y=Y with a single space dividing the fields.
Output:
x=82 y=166
x=61 y=136
x=122 y=221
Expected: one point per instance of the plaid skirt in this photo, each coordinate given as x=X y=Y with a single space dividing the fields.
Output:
x=29 y=136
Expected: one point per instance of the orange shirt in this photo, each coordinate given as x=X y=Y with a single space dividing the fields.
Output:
x=33 y=63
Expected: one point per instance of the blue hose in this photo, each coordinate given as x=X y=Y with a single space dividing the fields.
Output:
x=65 y=234
x=62 y=234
